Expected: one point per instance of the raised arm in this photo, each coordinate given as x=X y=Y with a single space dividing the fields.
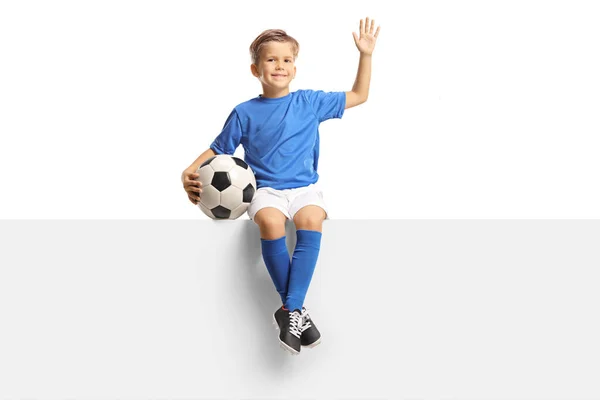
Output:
x=365 y=43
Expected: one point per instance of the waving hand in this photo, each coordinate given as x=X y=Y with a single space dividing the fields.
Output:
x=365 y=41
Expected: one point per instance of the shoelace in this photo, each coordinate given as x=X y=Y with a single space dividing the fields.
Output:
x=305 y=319
x=295 y=324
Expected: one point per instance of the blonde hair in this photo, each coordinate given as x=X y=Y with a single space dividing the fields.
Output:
x=272 y=35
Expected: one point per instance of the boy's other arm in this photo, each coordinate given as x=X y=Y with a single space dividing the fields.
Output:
x=360 y=91
x=365 y=43
x=192 y=187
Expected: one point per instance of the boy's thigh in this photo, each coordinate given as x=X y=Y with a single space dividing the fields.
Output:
x=311 y=195
x=268 y=199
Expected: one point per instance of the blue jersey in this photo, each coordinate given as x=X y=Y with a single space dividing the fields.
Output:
x=280 y=136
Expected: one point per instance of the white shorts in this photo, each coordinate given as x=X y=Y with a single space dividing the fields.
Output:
x=288 y=201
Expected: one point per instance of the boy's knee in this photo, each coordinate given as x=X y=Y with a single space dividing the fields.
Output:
x=271 y=223
x=310 y=217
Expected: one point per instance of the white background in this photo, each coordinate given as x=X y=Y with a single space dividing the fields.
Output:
x=478 y=109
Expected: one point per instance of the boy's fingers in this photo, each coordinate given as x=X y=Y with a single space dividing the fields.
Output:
x=193 y=190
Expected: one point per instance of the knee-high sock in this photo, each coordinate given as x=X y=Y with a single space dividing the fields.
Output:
x=277 y=260
x=304 y=261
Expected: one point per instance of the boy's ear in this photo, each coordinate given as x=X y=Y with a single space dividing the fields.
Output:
x=294 y=72
x=254 y=70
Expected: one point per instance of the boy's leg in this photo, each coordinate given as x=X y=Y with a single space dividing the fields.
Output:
x=308 y=211
x=309 y=222
x=268 y=209
x=271 y=223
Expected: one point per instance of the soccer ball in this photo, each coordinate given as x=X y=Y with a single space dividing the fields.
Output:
x=228 y=185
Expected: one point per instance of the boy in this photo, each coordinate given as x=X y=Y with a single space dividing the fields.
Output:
x=279 y=132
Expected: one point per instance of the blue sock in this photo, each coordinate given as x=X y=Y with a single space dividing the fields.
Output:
x=304 y=261
x=277 y=260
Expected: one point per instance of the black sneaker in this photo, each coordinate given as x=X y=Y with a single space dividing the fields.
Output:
x=310 y=334
x=289 y=324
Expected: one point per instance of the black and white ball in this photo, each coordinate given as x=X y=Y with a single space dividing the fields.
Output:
x=228 y=185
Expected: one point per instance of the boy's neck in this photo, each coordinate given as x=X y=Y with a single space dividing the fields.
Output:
x=274 y=94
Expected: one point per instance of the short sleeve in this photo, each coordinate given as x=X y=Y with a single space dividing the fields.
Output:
x=326 y=105
x=230 y=137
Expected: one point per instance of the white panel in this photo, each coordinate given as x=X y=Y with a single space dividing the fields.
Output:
x=231 y=197
x=210 y=197
x=223 y=163
x=182 y=309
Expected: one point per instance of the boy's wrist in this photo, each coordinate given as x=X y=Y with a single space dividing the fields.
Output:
x=187 y=171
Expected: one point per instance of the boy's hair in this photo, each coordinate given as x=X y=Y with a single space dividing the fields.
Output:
x=272 y=35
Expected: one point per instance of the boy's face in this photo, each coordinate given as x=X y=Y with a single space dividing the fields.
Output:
x=275 y=68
